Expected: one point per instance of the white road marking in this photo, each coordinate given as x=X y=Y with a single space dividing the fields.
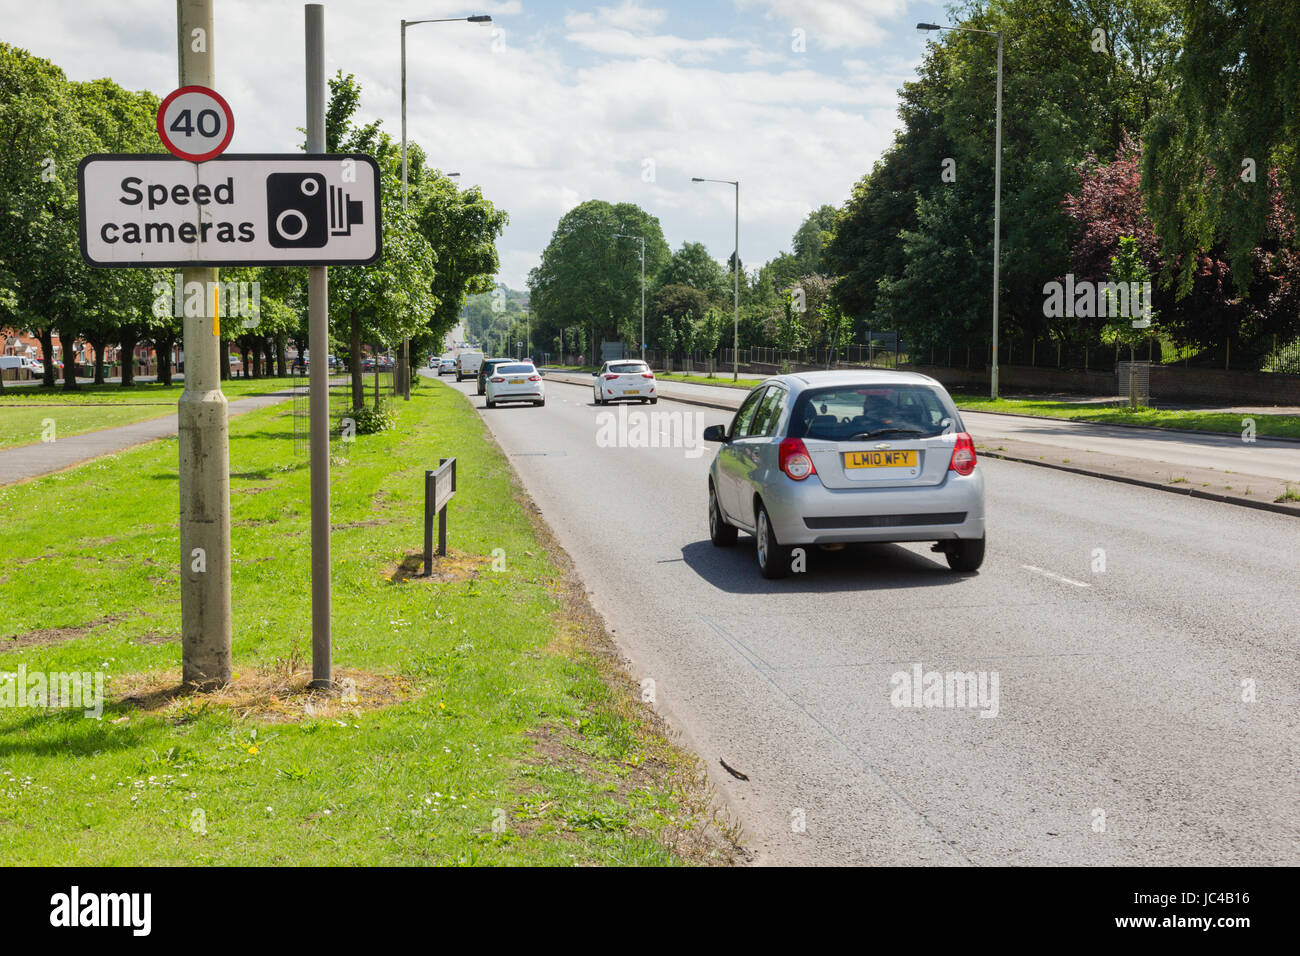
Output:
x=1056 y=577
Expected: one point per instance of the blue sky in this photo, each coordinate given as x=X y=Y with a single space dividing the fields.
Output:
x=557 y=102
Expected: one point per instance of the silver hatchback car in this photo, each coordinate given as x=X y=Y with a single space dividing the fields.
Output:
x=843 y=457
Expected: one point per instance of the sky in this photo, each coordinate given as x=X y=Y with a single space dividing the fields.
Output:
x=555 y=103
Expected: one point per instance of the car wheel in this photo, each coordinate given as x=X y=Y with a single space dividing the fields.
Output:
x=720 y=533
x=654 y=401
x=490 y=404
x=541 y=403
x=773 y=558
x=966 y=554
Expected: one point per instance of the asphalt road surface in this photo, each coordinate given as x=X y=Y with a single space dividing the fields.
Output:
x=1143 y=645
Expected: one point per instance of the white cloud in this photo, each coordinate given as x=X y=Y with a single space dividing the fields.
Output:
x=537 y=132
x=833 y=24
x=629 y=16
x=616 y=42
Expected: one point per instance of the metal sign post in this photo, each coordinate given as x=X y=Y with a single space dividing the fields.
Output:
x=322 y=668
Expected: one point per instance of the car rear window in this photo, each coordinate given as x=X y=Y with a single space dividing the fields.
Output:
x=515 y=369
x=850 y=412
x=629 y=368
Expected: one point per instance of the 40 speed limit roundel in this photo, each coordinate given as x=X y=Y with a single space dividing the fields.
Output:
x=195 y=123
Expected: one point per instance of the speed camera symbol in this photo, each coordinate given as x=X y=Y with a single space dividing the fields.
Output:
x=303 y=212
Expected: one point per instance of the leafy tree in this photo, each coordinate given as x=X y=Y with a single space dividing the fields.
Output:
x=589 y=278
x=1234 y=112
x=810 y=238
x=462 y=228
x=691 y=265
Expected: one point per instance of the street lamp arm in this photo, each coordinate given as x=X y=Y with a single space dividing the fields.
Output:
x=930 y=27
x=473 y=19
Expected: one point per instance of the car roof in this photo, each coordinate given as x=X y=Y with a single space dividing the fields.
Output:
x=799 y=381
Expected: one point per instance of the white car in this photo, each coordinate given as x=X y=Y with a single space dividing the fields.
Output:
x=515 y=382
x=446 y=366
x=629 y=379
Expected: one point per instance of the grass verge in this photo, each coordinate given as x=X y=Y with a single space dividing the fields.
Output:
x=1283 y=426
x=719 y=378
x=25 y=411
x=486 y=720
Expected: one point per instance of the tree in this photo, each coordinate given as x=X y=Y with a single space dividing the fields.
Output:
x=41 y=274
x=691 y=265
x=384 y=302
x=589 y=278
x=462 y=228
x=811 y=237
x=1233 y=114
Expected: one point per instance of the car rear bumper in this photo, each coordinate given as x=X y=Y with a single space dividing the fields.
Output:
x=807 y=512
x=517 y=395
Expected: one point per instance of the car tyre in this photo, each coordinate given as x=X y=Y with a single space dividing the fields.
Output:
x=654 y=401
x=966 y=554
x=490 y=404
x=540 y=404
x=773 y=558
x=723 y=535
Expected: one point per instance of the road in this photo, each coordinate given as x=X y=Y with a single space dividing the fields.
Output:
x=1264 y=457
x=1121 y=735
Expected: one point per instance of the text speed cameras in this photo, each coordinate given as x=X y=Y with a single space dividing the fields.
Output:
x=303 y=212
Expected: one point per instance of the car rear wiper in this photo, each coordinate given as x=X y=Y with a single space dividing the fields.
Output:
x=885 y=431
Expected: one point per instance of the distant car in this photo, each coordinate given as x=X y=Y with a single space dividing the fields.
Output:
x=624 y=379
x=486 y=369
x=840 y=457
x=467 y=364
x=515 y=382
x=446 y=366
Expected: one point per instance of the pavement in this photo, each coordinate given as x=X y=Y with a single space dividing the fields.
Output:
x=1142 y=645
x=1198 y=464
x=31 y=461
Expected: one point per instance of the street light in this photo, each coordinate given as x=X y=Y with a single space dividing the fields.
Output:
x=640 y=239
x=477 y=18
x=735 y=270
x=997 y=190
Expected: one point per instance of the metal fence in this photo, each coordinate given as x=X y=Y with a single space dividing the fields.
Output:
x=380 y=385
x=1133 y=381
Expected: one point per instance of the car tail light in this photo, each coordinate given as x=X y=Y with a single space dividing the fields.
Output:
x=963 y=455
x=497 y=378
x=794 y=459
x=647 y=374
x=611 y=376
x=534 y=378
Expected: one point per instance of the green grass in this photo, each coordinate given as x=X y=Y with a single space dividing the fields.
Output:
x=24 y=410
x=23 y=426
x=1286 y=426
x=113 y=393
x=719 y=378
x=506 y=714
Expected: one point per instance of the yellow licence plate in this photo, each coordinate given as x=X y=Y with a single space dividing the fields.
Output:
x=516 y=381
x=631 y=391
x=880 y=459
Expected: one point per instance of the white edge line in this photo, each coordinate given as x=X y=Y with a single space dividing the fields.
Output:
x=1056 y=577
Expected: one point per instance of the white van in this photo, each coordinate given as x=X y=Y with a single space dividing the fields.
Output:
x=468 y=364
x=19 y=364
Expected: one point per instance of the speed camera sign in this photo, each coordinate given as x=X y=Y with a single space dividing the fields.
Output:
x=195 y=123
